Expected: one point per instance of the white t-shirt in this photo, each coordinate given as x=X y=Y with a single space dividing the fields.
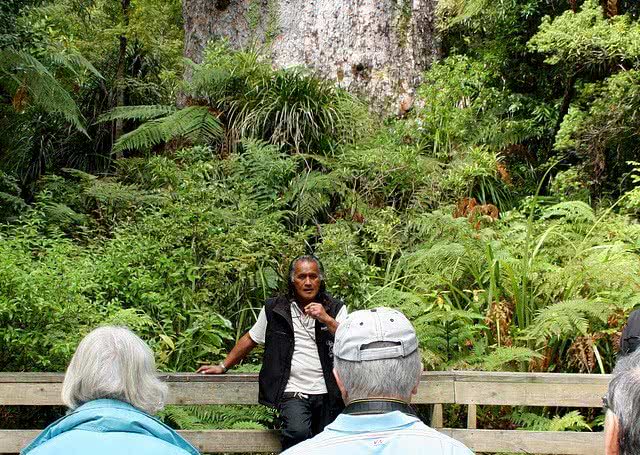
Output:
x=306 y=370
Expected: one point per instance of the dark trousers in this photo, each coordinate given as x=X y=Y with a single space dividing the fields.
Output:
x=303 y=416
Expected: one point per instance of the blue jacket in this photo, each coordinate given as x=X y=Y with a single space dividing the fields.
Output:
x=107 y=427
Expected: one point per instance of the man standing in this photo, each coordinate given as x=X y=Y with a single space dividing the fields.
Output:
x=377 y=368
x=297 y=331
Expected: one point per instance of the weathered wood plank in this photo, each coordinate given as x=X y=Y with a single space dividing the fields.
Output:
x=233 y=441
x=539 y=442
x=168 y=377
x=435 y=389
x=507 y=376
x=213 y=393
x=12 y=441
x=486 y=441
x=459 y=376
x=44 y=394
x=38 y=390
x=475 y=387
x=530 y=394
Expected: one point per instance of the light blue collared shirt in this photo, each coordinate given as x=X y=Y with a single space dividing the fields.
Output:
x=378 y=434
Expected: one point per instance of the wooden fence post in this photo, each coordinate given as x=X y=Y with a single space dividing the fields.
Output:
x=471 y=417
x=436 y=416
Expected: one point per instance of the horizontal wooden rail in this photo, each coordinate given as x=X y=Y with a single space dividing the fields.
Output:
x=462 y=387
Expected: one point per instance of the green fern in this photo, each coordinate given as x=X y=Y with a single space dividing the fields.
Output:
x=309 y=194
x=219 y=417
x=266 y=170
x=179 y=417
x=32 y=83
x=565 y=320
x=62 y=214
x=137 y=113
x=572 y=421
x=505 y=358
x=571 y=212
x=194 y=123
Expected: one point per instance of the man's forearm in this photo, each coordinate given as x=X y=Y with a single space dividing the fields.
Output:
x=332 y=324
x=242 y=348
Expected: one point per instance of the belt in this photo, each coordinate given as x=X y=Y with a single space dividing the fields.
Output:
x=303 y=396
x=378 y=406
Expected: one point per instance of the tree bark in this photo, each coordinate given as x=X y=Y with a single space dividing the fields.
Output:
x=375 y=48
x=569 y=92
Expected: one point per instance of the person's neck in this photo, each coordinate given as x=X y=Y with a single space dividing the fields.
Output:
x=304 y=302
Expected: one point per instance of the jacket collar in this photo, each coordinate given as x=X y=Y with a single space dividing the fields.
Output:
x=378 y=406
x=283 y=309
x=106 y=415
x=346 y=423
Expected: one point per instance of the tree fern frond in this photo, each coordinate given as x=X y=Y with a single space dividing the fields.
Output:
x=80 y=175
x=64 y=215
x=572 y=421
x=565 y=319
x=29 y=76
x=310 y=194
x=195 y=123
x=145 y=136
x=180 y=417
x=502 y=357
x=73 y=61
x=571 y=211
x=146 y=112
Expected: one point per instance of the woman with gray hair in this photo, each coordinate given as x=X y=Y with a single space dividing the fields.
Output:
x=111 y=387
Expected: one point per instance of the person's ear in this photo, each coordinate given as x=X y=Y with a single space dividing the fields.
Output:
x=343 y=391
x=415 y=389
x=611 y=433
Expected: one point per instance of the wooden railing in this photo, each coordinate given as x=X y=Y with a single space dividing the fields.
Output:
x=462 y=387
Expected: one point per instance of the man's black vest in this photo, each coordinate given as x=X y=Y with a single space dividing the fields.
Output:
x=278 y=351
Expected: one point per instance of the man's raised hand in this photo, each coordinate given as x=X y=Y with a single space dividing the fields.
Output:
x=316 y=311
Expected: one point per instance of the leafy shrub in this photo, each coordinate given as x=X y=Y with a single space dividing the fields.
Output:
x=239 y=90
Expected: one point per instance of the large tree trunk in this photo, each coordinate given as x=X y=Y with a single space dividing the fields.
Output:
x=376 y=48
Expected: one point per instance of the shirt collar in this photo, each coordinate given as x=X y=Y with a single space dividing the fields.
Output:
x=374 y=422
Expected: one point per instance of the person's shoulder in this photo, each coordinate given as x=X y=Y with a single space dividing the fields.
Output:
x=81 y=441
x=310 y=446
x=276 y=299
x=457 y=447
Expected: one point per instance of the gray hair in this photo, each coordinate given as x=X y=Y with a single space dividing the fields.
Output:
x=623 y=400
x=380 y=378
x=305 y=258
x=113 y=362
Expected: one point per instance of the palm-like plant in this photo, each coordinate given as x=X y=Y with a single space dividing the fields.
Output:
x=240 y=91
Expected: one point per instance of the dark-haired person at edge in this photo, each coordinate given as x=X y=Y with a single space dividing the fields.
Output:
x=297 y=331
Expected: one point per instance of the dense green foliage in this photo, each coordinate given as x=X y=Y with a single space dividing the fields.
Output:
x=487 y=215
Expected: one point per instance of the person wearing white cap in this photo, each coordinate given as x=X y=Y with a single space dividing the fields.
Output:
x=377 y=367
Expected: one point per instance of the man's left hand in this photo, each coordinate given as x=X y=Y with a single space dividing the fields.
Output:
x=316 y=311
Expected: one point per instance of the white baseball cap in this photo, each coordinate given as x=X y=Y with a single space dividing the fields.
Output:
x=362 y=328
